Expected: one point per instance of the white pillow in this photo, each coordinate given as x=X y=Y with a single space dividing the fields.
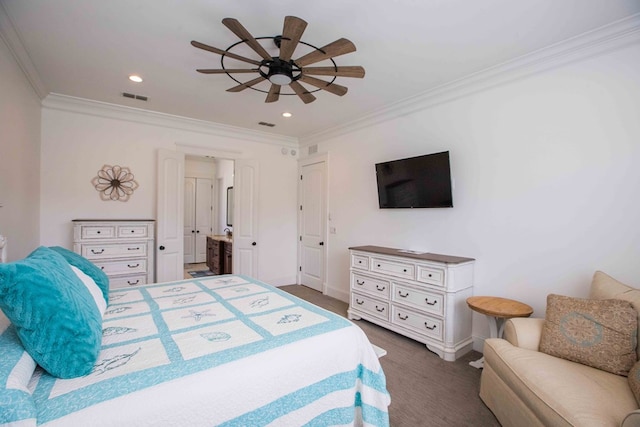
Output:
x=94 y=290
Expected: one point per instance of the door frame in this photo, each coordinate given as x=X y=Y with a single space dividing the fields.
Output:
x=203 y=151
x=315 y=158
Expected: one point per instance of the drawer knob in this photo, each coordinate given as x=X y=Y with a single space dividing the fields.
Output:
x=430 y=303
x=378 y=265
x=97 y=252
x=133 y=283
x=403 y=318
x=359 y=282
x=133 y=249
x=359 y=302
x=431 y=328
x=430 y=275
x=403 y=296
x=381 y=289
x=102 y=267
x=379 y=309
x=359 y=262
x=405 y=270
x=98 y=232
x=133 y=266
x=133 y=231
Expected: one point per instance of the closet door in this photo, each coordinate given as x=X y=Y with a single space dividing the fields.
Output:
x=189 y=220
x=203 y=217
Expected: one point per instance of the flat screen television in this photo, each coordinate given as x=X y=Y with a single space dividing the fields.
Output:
x=415 y=182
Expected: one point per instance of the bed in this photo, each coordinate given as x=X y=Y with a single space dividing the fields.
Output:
x=212 y=351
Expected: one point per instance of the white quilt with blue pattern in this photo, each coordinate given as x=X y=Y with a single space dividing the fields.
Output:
x=220 y=350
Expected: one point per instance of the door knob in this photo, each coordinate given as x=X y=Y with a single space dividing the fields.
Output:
x=161 y=248
x=253 y=243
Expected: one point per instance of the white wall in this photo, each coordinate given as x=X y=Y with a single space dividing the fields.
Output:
x=547 y=174
x=76 y=145
x=19 y=158
x=224 y=180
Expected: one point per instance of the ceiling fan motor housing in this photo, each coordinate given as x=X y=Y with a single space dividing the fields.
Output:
x=279 y=72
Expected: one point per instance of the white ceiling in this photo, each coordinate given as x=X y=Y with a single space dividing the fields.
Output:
x=88 y=48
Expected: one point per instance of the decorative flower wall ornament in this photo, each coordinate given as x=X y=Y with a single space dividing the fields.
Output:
x=114 y=183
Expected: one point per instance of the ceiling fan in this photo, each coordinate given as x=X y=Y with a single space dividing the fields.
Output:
x=282 y=70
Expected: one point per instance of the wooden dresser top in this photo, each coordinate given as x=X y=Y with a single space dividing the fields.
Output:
x=425 y=256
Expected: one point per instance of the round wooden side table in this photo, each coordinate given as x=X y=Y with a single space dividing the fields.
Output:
x=498 y=310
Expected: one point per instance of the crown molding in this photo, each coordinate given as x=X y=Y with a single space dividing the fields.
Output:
x=595 y=42
x=56 y=101
x=12 y=39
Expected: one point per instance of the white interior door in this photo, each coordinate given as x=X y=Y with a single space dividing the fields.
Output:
x=312 y=224
x=245 y=218
x=170 y=212
x=203 y=213
x=189 y=220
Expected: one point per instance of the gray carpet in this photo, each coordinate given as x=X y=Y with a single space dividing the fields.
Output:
x=425 y=390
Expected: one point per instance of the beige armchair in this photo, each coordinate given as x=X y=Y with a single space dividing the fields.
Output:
x=525 y=387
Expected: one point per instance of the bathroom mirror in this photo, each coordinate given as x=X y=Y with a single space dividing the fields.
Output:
x=230 y=206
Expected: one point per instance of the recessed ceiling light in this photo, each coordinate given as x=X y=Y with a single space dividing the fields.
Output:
x=286 y=114
x=135 y=78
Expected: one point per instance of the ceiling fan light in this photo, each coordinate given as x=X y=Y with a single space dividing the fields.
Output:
x=280 y=79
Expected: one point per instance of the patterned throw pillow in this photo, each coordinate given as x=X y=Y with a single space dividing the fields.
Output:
x=597 y=333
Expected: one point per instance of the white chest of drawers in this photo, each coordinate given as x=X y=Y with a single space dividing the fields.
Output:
x=123 y=249
x=419 y=295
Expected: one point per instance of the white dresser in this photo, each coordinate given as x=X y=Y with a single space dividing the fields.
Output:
x=419 y=295
x=123 y=249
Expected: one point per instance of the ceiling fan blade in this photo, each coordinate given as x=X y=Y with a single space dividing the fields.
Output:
x=228 y=70
x=304 y=95
x=237 y=28
x=349 y=71
x=291 y=33
x=223 y=52
x=335 y=89
x=274 y=93
x=245 y=85
x=337 y=48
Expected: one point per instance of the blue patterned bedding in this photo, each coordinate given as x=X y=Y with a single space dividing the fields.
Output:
x=220 y=350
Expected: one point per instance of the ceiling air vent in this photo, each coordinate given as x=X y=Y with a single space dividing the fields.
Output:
x=132 y=96
x=266 y=124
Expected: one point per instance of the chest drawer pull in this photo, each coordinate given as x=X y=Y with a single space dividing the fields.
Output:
x=93 y=251
x=133 y=266
x=133 y=283
x=360 y=282
x=359 y=302
x=403 y=318
x=403 y=296
x=133 y=249
x=430 y=303
x=380 y=289
x=426 y=325
x=380 y=309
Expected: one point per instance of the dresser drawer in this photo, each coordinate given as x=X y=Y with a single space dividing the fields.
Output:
x=374 y=286
x=132 y=231
x=114 y=250
x=370 y=305
x=420 y=323
x=127 y=281
x=394 y=268
x=360 y=262
x=426 y=301
x=98 y=231
x=430 y=275
x=128 y=267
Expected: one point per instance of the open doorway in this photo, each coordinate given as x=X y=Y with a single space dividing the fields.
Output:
x=208 y=229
